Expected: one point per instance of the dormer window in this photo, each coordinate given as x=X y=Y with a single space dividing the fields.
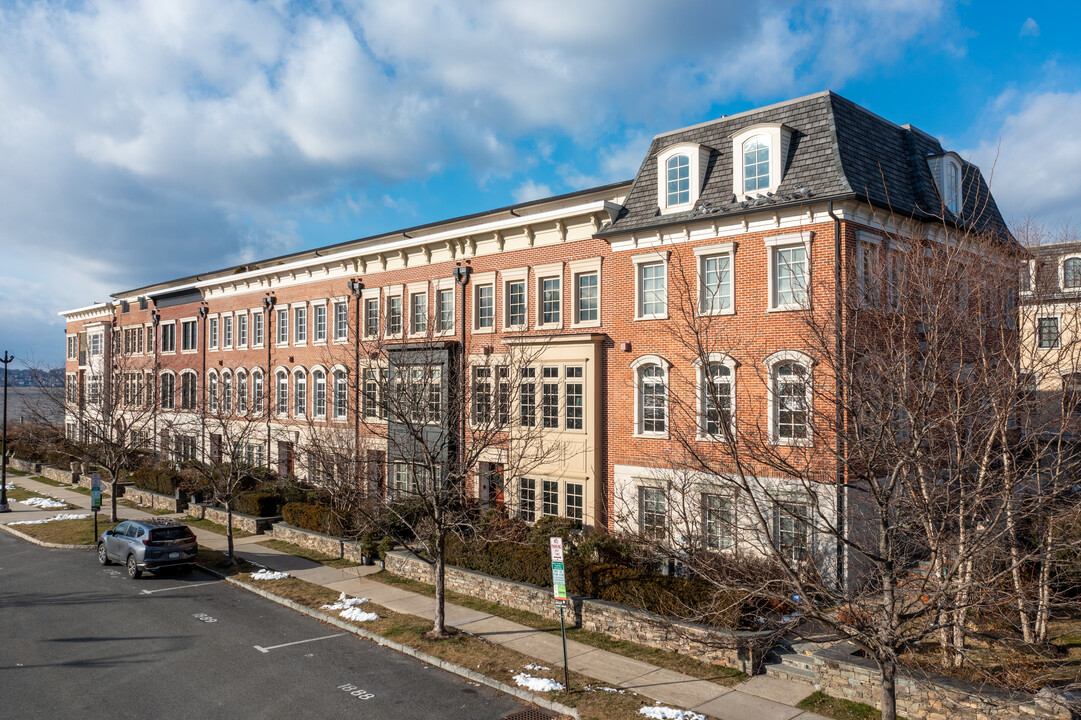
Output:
x=681 y=170
x=1071 y=273
x=756 y=164
x=759 y=153
x=946 y=171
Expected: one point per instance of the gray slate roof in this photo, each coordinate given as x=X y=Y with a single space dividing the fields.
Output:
x=838 y=150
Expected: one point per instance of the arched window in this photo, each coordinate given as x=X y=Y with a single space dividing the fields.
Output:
x=241 y=392
x=953 y=187
x=319 y=399
x=790 y=398
x=756 y=163
x=168 y=391
x=227 y=393
x=678 y=170
x=189 y=390
x=283 y=393
x=300 y=392
x=1071 y=273
x=257 y=391
x=717 y=395
x=651 y=396
x=340 y=394
x=212 y=392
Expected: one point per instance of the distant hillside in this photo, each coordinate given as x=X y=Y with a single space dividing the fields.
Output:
x=36 y=378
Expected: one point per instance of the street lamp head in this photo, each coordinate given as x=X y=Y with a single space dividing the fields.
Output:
x=462 y=273
x=269 y=301
x=155 y=316
x=355 y=286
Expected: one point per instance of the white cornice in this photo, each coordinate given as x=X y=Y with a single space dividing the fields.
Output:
x=85 y=313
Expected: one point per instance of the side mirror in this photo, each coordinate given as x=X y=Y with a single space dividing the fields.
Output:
x=108 y=532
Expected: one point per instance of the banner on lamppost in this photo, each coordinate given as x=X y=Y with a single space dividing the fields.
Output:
x=95 y=492
x=559 y=575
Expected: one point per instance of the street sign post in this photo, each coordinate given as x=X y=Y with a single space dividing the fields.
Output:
x=95 y=499
x=559 y=592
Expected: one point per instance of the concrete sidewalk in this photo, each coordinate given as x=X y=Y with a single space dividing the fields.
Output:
x=758 y=698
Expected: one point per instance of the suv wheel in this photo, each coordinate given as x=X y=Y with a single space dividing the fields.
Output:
x=103 y=557
x=133 y=568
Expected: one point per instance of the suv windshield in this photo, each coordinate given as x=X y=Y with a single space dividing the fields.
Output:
x=171 y=533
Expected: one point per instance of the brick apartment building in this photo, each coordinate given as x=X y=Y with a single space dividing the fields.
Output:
x=748 y=221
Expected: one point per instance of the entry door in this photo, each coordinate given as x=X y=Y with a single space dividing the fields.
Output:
x=496 y=484
x=285 y=459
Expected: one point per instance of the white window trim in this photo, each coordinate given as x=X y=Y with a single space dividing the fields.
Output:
x=771 y=362
x=416 y=289
x=327 y=385
x=479 y=281
x=649 y=259
x=213 y=323
x=585 y=267
x=332 y=320
x=438 y=286
x=1030 y=265
x=1062 y=273
x=392 y=291
x=505 y=278
x=700 y=387
x=542 y=273
x=708 y=251
x=176 y=340
x=779 y=242
x=666 y=366
x=366 y=295
x=698 y=158
x=327 y=321
x=236 y=330
x=180 y=336
x=278 y=310
x=1058 y=327
x=332 y=406
x=251 y=328
x=293 y=307
x=778 y=137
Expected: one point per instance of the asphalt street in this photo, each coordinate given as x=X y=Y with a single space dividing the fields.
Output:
x=78 y=640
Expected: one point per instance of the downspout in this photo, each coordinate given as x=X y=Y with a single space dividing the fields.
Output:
x=461 y=276
x=839 y=396
x=203 y=341
x=355 y=288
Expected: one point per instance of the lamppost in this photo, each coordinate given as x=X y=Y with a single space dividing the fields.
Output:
x=8 y=357
x=356 y=289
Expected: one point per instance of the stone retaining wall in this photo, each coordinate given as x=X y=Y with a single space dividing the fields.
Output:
x=157 y=501
x=247 y=523
x=326 y=544
x=57 y=474
x=738 y=649
x=842 y=673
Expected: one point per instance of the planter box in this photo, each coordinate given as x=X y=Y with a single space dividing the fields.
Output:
x=247 y=523
x=326 y=544
x=744 y=650
x=157 y=501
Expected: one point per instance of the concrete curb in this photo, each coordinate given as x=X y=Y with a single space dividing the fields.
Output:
x=42 y=543
x=406 y=650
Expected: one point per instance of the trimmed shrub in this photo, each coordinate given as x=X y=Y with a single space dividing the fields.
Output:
x=311 y=517
x=259 y=504
x=160 y=478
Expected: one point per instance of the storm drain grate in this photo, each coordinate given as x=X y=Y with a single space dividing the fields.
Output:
x=530 y=713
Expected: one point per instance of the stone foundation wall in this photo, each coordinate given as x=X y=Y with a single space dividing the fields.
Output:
x=326 y=544
x=157 y=501
x=247 y=523
x=842 y=673
x=737 y=649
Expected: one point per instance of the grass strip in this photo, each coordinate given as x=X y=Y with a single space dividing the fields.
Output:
x=490 y=659
x=214 y=527
x=20 y=493
x=668 y=660
x=313 y=555
x=134 y=506
x=838 y=709
x=67 y=532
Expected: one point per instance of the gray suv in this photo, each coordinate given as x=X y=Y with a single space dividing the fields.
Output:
x=151 y=544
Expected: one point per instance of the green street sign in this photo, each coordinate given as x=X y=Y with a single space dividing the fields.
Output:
x=95 y=498
x=559 y=575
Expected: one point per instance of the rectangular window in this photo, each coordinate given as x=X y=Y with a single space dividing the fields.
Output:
x=502 y=398
x=189 y=336
x=550 y=397
x=283 y=326
x=718 y=521
x=716 y=290
x=485 y=307
x=242 y=330
x=789 y=277
x=300 y=325
x=257 y=392
x=1047 y=332
x=419 y=313
x=446 y=311
x=550 y=497
x=528 y=399
x=652 y=290
x=575 y=501
x=371 y=317
x=435 y=394
x=551 y=300
x=73 y=347
x=227 y=332
x=213 y=333
x=527 y=499
x=587 y=301
x=516 y=303
x=792 y=530
x=257 y=329
x=320 y=313
x=372 y=408
x=575 y=398
x=652 y=512
x=482 y=395
x=399 y=479
x=394 y=315
x=341 y=321
x=95 y=345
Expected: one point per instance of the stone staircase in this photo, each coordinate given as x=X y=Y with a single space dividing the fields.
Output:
x=792 y=661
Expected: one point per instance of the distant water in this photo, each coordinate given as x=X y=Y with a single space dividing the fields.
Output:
x=25 y=404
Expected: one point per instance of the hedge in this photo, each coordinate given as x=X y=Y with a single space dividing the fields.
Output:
x=160 y=478
x=259 y=504
x=311 y=517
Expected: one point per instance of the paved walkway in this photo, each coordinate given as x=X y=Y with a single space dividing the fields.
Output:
x=758 y=698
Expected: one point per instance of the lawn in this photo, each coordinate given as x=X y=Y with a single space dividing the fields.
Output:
x=823 y=704
x=21 y=493
x=661 y=658
x=67 y=532
x=312 y=555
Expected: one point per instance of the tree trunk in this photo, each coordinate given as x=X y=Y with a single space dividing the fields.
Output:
x=229 y=530
x=888 y=668
x=439 y=628
x=112 y=496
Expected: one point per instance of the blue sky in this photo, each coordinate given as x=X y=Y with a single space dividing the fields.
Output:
x=149 y=140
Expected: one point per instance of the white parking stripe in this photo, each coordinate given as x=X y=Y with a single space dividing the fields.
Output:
x=178 y=587
x=298 y=642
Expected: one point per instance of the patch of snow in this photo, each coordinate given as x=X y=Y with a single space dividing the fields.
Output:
x=344 y=601
x=606 y=689
x=535 y=666
x=269 y=575
x=358 y=615
x=537 y=684
x=46 y=520
x=667 y=713
x=44 y=503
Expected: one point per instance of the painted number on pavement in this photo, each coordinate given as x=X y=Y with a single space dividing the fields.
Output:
x=204 y=617
x=356 y=692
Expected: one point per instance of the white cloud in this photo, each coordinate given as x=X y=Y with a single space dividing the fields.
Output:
x=1030 y=28
x=530 y=190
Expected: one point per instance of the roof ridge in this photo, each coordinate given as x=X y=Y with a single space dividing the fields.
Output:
x=726 y=118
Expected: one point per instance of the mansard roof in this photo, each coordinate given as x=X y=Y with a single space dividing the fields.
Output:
x=838 y=150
